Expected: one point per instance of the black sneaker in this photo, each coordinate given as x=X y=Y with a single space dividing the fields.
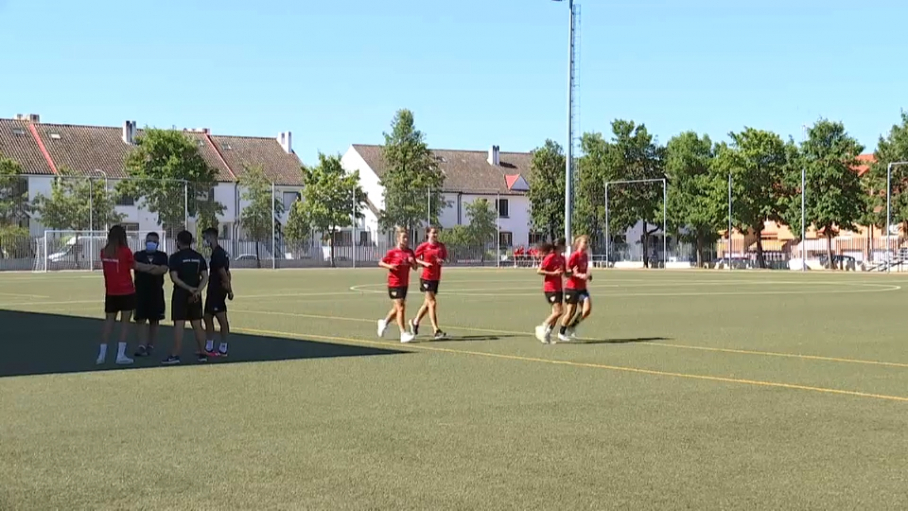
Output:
x=171 y=360
x=202 y=357
x=141 y=351
x=414 y=327
x=440 y=336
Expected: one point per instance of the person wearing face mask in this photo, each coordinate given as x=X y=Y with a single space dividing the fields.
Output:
x=150 y=305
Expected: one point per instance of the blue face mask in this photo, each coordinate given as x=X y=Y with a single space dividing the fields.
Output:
x=151 y=246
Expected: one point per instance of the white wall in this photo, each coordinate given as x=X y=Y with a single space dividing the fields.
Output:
x=370 y=183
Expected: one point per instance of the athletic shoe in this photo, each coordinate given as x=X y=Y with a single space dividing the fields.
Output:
x=212 y=353
x=406 y=337
x=541 y=334
x=572 y=332
x=222 y=354
x=440 y=336
x=100 y=360
x=414 y=328
x=124 y=360
x=202 y=357
x=564 y=337
x=382 y=327
x=171 y=360
x=141 y=351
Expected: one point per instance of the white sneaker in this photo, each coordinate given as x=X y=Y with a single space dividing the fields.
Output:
x=124 y=360
x=564 y=337
x=572 y=333
x=406 y=337
x=382 y=326
x=101 y=360
x=541 y=334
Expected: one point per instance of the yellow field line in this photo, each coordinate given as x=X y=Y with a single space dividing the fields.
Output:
x=758 y=383
x=661 y=344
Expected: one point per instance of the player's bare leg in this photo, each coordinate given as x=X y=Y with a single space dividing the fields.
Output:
x=109 y=319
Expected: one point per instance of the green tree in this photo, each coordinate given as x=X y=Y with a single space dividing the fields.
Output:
x=892 y=148
x=757 y=161
x=835 y=197
x=595 y=167
x=298 y=229
x=161 y=163
x=14 y=208
x=262 y=208
x=546 y=192
x=635 y=156
x=479 y=232
x=328 y=198
x=697 y=195
x=77 y=203
x=411 y=177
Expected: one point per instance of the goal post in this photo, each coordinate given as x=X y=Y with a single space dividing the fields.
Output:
x=59 y=250
x=608 y=240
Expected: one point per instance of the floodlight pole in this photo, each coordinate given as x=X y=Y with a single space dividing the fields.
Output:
x=353 y=231
x=804 y=210
x=568 y=170
x=608 y=239
x=889 y=211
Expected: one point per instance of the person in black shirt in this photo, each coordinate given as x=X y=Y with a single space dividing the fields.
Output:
x=219 y=291
x=149 y=292
x=189 y=274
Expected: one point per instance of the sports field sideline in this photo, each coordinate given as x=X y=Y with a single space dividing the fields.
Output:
x=691 y=390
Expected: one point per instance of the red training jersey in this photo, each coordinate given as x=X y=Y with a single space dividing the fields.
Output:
x=118 y=272
x=432 y=254
x=403 y=259
x=552 y=262
x=581 y=261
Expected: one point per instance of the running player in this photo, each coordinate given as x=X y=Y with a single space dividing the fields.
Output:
x=399 y=261
x=189 y=274
x=219 y=291
x=576 y=295
x=552 y=268
x=151 y=266
x=117 y=263
x=433 y=254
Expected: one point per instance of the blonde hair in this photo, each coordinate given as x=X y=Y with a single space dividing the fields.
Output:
x=582 y=237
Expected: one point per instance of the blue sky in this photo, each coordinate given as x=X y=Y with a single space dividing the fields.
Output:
x=475 y=72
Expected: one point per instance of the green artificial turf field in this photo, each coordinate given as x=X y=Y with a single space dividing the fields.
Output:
x=692 y=390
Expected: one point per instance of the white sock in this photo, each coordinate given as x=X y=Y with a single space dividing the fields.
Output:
x=102 y=353
x=209 y=345
x=223 y=347
x=121 y=350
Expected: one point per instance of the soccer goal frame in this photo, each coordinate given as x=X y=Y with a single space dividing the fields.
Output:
x=608 y=240
x=64 y=249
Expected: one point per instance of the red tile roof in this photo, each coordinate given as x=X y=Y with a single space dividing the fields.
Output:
x=87 y=149
x=866 y=160
x=17 y=143
x=465 y=171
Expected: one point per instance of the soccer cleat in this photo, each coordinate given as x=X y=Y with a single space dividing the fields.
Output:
x=541 y=334
x=406 y=337
x=440 y=336
x=414 y=327
x=124 y=360
x=382 y=327
x=141 y=351
x=171 y=360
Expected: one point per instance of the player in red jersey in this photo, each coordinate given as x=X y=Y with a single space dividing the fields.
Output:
x=117 y=263
x=399 y=262
x=552 y=268
x=432 y=254
x=578 y=305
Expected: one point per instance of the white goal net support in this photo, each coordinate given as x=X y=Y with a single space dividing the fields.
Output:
x=80 y=250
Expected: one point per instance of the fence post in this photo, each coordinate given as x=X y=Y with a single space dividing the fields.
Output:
x=91 y=225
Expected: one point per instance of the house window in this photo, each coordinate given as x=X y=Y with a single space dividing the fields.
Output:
x=290 y=198
x=130 y=226
x=505 y=239
x=536 y=238
x=502 y=208
x=226 y=229
x=365 y=238
x=126 y=200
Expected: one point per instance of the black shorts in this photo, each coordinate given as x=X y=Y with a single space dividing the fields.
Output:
x=397 y=293
x=429 y=286
x=215 y=302
x=150 y=307
x=119 y=303
x=182 y=309
x=573 y=296
x=554 y=297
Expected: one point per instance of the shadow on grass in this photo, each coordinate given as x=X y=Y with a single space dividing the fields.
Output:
x=623 y=341
x=468 y=338
x=33 y=343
